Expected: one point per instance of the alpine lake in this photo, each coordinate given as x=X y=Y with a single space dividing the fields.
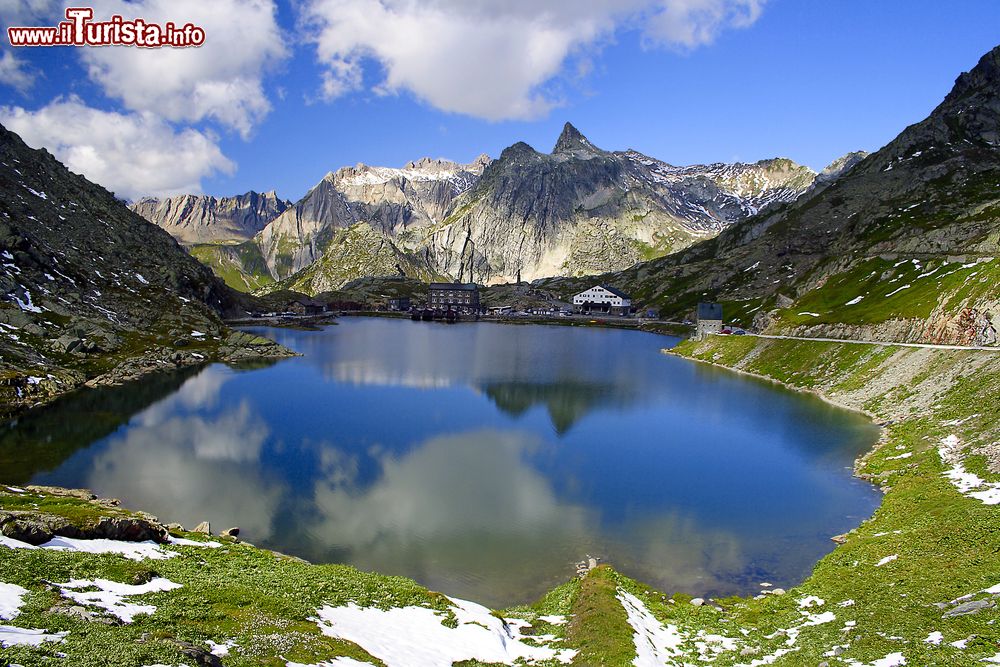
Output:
x=482 y=460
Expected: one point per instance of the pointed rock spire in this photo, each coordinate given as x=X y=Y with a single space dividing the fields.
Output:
x=572 y=141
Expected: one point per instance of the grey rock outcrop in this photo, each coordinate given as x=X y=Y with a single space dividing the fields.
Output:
x=38 y=528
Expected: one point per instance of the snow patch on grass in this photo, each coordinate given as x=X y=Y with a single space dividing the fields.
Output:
x=11 y=636
x=655 y=643
x=11 y=543
x=968 y=484
x=898 y=289
x=11 y=599
x=891 y=660
x=111 y=596
x=342 y=661
x=130 y=550
x=553 y=620
x=412 y=635
x=811 y=601
x=887 y=560
x=184 y=542
x=220 y=650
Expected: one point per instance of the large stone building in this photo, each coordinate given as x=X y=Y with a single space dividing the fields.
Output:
x=461 y=297
x=709 y=319
x=603 y=299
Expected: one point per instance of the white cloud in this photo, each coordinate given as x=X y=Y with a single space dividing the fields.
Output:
x=15 y=73
x=494 y=59
x=221 y=80
x=14 y=70
x=131 y=154
x=692 y=23
x=27 y=12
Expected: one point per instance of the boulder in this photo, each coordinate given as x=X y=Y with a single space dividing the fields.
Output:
x=967 y=608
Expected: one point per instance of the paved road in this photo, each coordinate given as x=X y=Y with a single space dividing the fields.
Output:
x=884 y=344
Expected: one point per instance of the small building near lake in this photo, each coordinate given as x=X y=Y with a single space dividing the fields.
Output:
x=603 y=299
x=399 y=304
x=709 y=320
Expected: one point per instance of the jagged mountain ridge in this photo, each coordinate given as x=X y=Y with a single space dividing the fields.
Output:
x=204 y=219
x=581 y=210
x=578 y=211
x=902 y=246
x=394 y=201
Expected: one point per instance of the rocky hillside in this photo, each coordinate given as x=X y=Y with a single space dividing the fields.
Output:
x=903 y=246
x=359 y=250
x=839 y=167
x=88 y=289
x=579 y=210
x=202 y=219
x=396 y=202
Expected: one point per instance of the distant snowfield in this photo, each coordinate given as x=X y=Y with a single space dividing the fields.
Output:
x=406 y=636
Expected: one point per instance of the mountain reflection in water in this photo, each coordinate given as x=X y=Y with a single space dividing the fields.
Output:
x=481 y=460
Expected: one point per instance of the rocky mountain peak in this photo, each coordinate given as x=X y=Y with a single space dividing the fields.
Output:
x=983 y=78
x=426 y=162
x=971 y=111
x=843 y=163
x=838 y=168
x=572 y=141
x=482 y=161
x=516 y=150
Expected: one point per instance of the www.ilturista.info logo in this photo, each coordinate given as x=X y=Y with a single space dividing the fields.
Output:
x=79 y=30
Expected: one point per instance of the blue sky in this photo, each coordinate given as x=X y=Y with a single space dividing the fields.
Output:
x=299 y=90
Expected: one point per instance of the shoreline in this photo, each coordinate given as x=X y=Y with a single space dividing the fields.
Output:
x=784 y=385
x=887 y=583
x=150 y=362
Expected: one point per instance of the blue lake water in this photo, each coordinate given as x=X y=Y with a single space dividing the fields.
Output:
x=481 y=459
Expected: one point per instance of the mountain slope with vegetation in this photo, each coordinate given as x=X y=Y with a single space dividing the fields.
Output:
x=394 y=202
x=904 y=246
x=358 y=250
x=91 y=291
